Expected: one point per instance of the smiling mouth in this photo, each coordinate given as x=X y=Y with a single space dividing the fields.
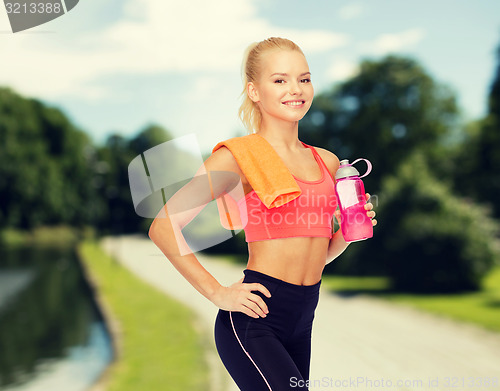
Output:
x=294 y=103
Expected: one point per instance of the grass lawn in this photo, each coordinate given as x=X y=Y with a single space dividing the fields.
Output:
x=481 y=308
x=161 y=350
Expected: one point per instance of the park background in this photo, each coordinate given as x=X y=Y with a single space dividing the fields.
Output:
x=413 y=87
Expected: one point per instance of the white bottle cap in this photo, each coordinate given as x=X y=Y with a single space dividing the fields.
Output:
x=346 y=170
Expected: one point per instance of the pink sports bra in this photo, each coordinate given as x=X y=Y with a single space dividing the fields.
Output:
x=310 y=214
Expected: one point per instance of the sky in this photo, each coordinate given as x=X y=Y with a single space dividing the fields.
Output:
x=120 y=65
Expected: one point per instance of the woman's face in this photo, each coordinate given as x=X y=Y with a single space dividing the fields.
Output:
x=284 y=89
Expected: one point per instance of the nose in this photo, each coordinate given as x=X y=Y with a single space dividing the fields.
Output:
x=295 y=88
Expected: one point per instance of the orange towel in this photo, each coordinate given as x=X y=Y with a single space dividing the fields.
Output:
x=265 y=171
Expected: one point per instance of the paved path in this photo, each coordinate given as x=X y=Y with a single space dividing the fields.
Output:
x=358 y=343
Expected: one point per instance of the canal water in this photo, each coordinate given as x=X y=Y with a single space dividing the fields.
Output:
x=52 y=336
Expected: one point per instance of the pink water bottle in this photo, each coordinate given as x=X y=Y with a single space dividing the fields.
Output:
x=356 y=225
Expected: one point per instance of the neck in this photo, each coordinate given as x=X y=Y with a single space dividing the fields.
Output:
x=281 y=134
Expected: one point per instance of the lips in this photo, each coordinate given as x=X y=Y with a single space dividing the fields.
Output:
x=294 y=103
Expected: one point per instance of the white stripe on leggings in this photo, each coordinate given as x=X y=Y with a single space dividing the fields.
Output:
x=234 y=330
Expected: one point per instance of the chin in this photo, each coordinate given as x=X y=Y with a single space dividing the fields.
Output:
x=295 y=118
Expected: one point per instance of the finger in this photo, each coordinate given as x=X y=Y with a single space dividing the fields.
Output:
x=249 y=312
x=252 y=304
x=374 y=222
x=371 y=214
x=367 y=195
x=259 y=302
x=256 y=298
x=259 y=287
x=368 y=206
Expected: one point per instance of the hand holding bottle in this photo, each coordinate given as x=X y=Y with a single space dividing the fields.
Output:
x=355 y=213
x=369 y=212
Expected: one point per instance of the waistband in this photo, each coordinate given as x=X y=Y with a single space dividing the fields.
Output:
x=284 y=286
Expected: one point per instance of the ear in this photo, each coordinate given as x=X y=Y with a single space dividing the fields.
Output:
x=252 y=92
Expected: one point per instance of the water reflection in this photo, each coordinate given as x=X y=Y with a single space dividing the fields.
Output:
x=51 y=336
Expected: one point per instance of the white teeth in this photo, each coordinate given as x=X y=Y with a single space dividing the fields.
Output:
x=294 y=103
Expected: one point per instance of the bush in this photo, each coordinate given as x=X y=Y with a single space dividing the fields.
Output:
x=44 y=235
x=429 y=240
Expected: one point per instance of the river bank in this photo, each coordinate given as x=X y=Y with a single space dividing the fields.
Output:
x=159 y=338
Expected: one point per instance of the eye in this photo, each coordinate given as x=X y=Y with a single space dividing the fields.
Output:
x=306 y=80
x=279 y=81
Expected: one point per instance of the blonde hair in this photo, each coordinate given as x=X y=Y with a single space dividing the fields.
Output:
x=249 y=111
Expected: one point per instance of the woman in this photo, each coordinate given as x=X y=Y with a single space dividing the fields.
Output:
x=263 y=327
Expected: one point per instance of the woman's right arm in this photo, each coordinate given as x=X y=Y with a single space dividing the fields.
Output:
x=165 y=232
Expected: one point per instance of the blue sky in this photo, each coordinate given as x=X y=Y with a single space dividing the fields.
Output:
x=116 y=66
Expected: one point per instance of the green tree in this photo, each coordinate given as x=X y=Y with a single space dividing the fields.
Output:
x=410 y=127
x=113 y=159
x=494 y=95
x=44 y=176
x=392 y=107
x=433 y=241
x=479 y=157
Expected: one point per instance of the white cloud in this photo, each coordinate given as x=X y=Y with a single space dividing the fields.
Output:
x=154 y=36
x=350 y=11
x=342 y=69
x=205 y=86
x=386 y=43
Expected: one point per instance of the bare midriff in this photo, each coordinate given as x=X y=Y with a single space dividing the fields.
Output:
x=298 y=260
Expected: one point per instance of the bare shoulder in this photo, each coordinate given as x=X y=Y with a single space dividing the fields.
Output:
x=331 y=160
x=223 y=160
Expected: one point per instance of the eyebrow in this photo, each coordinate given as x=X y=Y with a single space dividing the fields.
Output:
x=286 y=74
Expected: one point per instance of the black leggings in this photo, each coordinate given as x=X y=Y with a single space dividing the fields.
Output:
x=271 y=353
